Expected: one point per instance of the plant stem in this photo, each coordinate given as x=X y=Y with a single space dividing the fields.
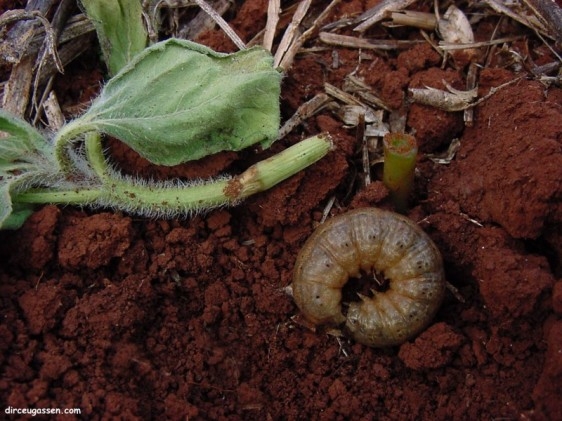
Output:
x=78 y=196
x=94 y=154
x=400 y=153
x=267 y=173
x=68 y=134
x=167 y=199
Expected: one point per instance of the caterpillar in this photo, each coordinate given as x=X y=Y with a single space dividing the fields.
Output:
x=374 y=242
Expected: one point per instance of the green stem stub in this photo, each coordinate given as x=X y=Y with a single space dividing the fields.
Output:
x=400 y=153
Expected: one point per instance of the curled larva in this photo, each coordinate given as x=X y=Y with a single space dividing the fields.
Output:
x=367 y=242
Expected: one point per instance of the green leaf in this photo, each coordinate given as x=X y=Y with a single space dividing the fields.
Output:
x=12 y=219
x=20 y=138
x=178 y=101
x=25 y=155
x=120 y=29
x=23 y=148
x=12 y=216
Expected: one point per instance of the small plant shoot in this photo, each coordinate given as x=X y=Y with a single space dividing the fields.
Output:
x=174 y=102
x=120 y=29
x=400 y=153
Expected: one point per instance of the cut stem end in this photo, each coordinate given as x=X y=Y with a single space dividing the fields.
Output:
x=400 y=154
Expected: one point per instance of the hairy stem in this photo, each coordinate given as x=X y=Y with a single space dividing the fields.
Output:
x=167 y=199
x=94 y=154
x=64 y=139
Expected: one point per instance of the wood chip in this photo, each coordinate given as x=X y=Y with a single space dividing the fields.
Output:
x=520 y=15
x=341 y=95
x=364 y=43
x=381 y=11
x=284 y=57
x=222 y=23
x=421 y=20
x=471 y=83
x=355 y=85
x=291 y=32
x=305 y=111
x=550 y=14
x=53 y=112
x=202 y=22
x=273 y=11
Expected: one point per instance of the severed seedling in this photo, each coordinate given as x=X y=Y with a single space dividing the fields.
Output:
x=174 y=102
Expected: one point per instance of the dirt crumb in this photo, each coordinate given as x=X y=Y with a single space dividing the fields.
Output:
x=434 y=348
x=92 y=242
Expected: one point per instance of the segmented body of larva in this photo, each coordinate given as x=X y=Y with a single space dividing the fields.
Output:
x=373 y=241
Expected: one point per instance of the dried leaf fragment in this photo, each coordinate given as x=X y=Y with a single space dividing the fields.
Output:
x=352 y=115
x=455 y=29
x=533 y=19
x=448 y=156
x=450 y=100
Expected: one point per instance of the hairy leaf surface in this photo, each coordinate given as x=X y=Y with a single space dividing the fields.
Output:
x=178 y=101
